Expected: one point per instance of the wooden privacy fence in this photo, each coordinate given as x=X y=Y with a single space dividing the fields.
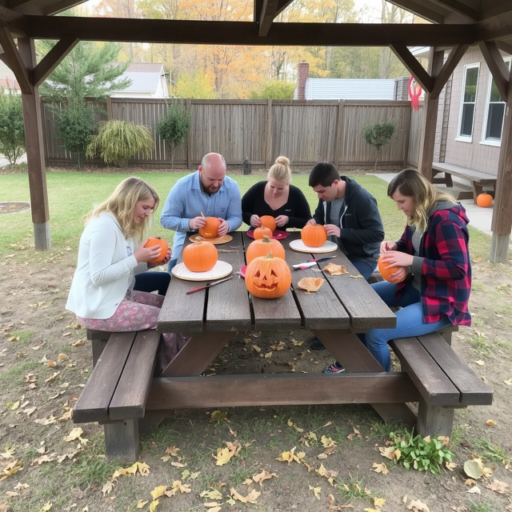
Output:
x=306 y=132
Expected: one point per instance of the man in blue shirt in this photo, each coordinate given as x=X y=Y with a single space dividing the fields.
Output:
x=207 y=191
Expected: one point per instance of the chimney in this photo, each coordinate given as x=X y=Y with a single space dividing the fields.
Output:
x=302 y=76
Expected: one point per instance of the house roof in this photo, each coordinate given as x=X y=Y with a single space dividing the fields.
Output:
x=349 y=89
x=145 y=78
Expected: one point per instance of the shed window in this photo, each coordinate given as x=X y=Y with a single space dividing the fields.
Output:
x=495 y=112
x=467 y=114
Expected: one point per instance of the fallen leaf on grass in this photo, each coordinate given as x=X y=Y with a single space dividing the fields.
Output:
x=153 y=505
x=316 y=491
x=290 y=456
x=450 y=466
x=250 y=498
x=418 y=506
x=107 y=488
x=76 y=433
x=480 y=363
x=474 y=468
x=380 y=468
x=474 y=490
x=490 y=423
x=259 y=478
x=219 y=416
x=290 y=424
x=138 y=467
x=142 y=503
x=327 y=442
x=53 y=377
x=331 y=504
x=497 y=486
x=13 y=405
x=390 y=453
x=11 y=469
x=299 y=343
x=211 y=495
x=508 y=382
x=178 y=486
x=158 y=492
x=378 y=502
x=42 y=459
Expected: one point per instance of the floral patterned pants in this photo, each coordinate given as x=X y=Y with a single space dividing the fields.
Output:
x=139 y=311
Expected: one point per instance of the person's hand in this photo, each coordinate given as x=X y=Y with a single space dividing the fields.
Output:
x=282 y=220
x=164 y=261
x=255 y=221
x=223 y=228
x=311 y=222
x=397 y=259
x=386 y=246
x=332 y=230
x=144 y=254
x=197 y=222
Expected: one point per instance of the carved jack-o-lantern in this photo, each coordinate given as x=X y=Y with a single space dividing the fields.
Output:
x=267 y=277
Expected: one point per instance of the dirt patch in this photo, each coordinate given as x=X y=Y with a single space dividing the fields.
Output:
x=45 y=361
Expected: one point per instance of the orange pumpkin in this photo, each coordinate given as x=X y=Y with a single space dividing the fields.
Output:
x=263 y=247
x=267 y=277
x=259 y=233
x=386 y=272
x=314 y=236
x=211 y=228
x=200 y=256
x=267 y=221
x=157 y=241
x=484 y=200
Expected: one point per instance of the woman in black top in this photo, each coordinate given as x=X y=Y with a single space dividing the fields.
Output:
x=277 y=198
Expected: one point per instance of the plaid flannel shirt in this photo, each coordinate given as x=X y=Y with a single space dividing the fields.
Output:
x=446 y=268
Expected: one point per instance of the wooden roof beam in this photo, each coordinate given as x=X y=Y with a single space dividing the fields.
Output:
x=268 y=13
x=15 y=62
x=282 y=5
x=444 y=74
x=493 y=28
x=420 y=10
x=496 y=64
x=245 y=33
x=412 y=64
x=458 y=7
x=52 y=59
x=504 y=47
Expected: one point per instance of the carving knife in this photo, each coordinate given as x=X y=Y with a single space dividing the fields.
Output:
x=209 y=285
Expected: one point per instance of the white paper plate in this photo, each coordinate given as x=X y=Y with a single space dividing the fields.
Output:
x=298 y=245
x=221 y=269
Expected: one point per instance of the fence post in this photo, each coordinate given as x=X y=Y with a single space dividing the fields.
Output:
x=188 y=104
x=338 y=141
x=407 y=138
x=109 y=108
x=268 y=135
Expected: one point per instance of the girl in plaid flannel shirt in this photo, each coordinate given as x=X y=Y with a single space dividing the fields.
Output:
x=434 y=261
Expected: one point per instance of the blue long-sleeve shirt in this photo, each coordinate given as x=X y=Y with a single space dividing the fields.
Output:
x=187 y=200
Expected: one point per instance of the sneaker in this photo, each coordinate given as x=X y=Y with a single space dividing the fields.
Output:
x=334 y=368
x=316 y=344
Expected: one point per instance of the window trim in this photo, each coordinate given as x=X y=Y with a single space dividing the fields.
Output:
x=467 y=138
x=483 y=139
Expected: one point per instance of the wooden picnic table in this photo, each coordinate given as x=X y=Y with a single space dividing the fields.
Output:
x=343 y=306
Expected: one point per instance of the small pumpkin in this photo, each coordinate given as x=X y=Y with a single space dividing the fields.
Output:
x=200 y=256
x=386 y=272
x=313 y=236
x=157 y=241
x=263 y=247
x=267 y=221
x=211 y=228
x=267 y=277
x=260 y=232
x=484 y=200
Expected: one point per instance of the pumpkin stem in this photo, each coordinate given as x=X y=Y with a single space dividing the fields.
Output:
x=269 y=256
x=266 y=239
x=202 y=215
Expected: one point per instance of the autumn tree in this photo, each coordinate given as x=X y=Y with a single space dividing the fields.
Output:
x=275 y=90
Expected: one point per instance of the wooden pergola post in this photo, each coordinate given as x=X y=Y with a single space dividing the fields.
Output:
x=430 y=108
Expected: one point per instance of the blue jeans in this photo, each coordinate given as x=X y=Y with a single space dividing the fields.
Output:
x=172 y=264
x=152 y=281
x=409 y=322
x=365 y=267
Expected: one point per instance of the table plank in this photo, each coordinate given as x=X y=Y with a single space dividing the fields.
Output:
x=228 y=307
x=270 y=314
x=255 y=390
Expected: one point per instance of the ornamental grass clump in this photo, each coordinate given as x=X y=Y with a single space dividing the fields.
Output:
x=117 y=141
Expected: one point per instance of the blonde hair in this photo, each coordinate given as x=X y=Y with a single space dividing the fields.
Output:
x=121 y=204
x=281 y=171
x=411 y=183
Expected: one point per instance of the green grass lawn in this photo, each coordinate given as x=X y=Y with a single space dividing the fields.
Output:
x=72 y=194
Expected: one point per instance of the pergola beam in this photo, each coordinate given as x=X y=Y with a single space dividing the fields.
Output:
x=412 y=64
x=451 y=63
x=14 y=60
x=245 y=33
x=268 y=13
x=496 y=65
x=420 y=10
x=52 y=59
x=458 y=7
x=493 y=28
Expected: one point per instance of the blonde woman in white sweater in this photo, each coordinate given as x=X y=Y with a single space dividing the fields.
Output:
x=110 y=254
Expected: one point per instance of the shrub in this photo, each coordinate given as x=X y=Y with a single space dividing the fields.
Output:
x=378 y=135
x=174 y=126
x=12 y=129
x=75 y=126
x=117 y=141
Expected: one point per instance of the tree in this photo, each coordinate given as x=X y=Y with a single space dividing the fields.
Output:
x=88 y=71
x=75 y=126
x=378 y=135
x=198 y=86
x=12 y=128
x=275 y=90
x=174 y=126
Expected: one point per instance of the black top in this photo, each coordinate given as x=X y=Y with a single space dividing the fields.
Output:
x=361 y=226
x=296 y=208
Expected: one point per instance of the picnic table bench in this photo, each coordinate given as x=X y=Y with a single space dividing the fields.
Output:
x=126 y=394
x=478 y=179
